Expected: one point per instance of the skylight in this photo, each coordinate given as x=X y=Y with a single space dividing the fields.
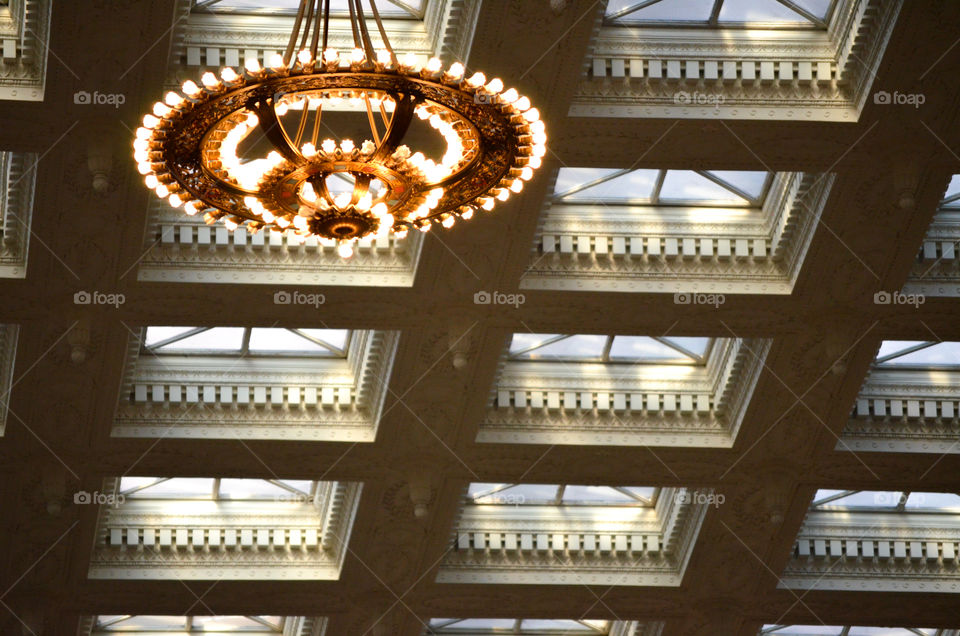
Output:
x=557 y=495
x=407 y=9
x=918 y=354
x=243 y=341
x=837 y=630
x=951 y=199
x=594 y=348
x=891 y=501
x=700 y=188
x=722 y=13
x=516 y=626
x=189 y=624
x=217 y=489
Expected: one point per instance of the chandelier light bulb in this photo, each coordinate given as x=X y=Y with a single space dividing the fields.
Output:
x=522 y=103
x=151 y=181
x=476 y=80
x=379 y=210
x=276 y=62
x=356 y=56
x=252 y=65
x=149 y=121
x=503 y=195
x=282 y=108
x=527 y=173
x=343 y=199
x=345 y=249
x=532 y=115
x=383 y=57
x=510 y=95
x=534 y=162
x=143 y=133
x=173 y=99
x=191 y=208
x=539 y=150
x=487 y=204
x=229 y=75
x=449 y=221
x=347 y=146
x=209 y=80
x=328 y=146
x=467 y=214
x=190 y=89
x=268 y=217
x=299 y=222
x=143 y=168
x=231 y=224
x=161 y=191
x=283 y=222
x=330 y=56
x=410 y=61
x=455 y=71
x=161 y=110
x=364 y=203
x=434 y=65
x=305 y=57
x=495 y=86
x=174 y=201
x=516 y=186
x=308 y=150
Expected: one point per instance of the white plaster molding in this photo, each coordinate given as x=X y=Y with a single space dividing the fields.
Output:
x=569 y=545
x=614 y=252
x=24 y=33
x=293 y=626
x=191 y=396
x=736 y=73
x=17 y=188
x=876 y=551
x=905 y=410
x=185 y=539
x=638 y=404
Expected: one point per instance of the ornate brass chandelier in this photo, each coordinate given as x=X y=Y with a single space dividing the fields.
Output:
x=195 y=149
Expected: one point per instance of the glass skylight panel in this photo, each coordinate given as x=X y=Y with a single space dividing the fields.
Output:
x=189 y=624
x=567 y=495
x=918 y=353
x=951 y=199
x=220 y=489
x=886 y=500
x=243 y=341
x=838 y=630
x=592 y=348
x=758 y=13
x=717 y=188
x=387 y=8
x=516 y=626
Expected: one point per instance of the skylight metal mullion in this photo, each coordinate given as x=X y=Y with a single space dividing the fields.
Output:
x=806 y=14
x=590 y=184
x=322 y=343
x=840 y=495
x=245 y=341
x=632 y=8
x=145 y=486
x=172 y=339
x=280 y=484
x=216 y=489
x=257 y=619
x=546 y=342
x=605 y=356
x=715 y=13
x=655 y=195
x=203 y=4
x=902 y=502
x=409 y=9
x=727 y=186
x=632 y=495
x=845 y=631
x=558 y=499
x=950 y=199
x=492 y=491
x=676 y=347
x=113 y=621
x=903 y=352
x=188 y=623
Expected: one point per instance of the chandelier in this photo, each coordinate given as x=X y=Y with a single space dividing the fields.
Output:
x=469 y=142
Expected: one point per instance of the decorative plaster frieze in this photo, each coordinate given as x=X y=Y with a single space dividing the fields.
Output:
x=24 y=33
x=258 y=398
x=904 y=410
x=293 y=626
x=570 y=545
x=184 y=249
x=642 y=404
x=937 y=270
x=608 y=250
x=881 y=551
x=17 y=187
x=8 y=354
x=187 y=539
x=737 y=73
